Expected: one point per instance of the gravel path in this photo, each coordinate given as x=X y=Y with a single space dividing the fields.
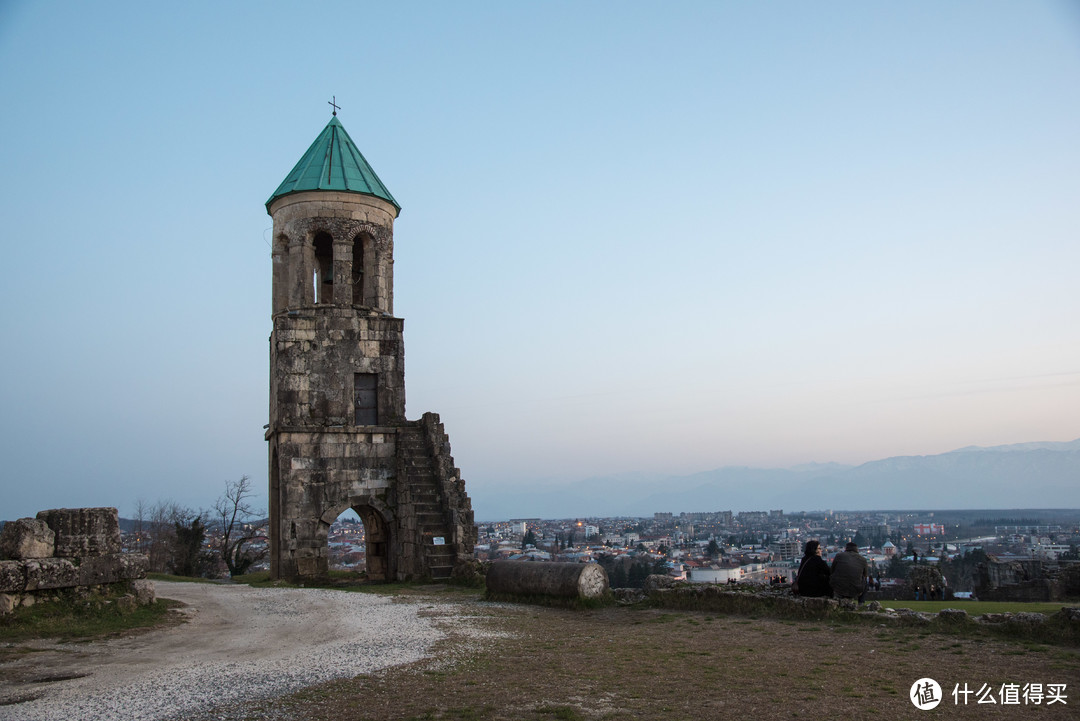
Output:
x=240 y=643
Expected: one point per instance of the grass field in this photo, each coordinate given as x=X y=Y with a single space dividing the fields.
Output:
x=77 y=620
x=978 y=608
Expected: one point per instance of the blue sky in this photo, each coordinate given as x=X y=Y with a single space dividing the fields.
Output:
x=634 y=238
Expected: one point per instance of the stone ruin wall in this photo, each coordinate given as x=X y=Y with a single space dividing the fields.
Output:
x=67 y=549
x=457 y=506
x=323 y=473
x=335 y=469
x=1028 y=580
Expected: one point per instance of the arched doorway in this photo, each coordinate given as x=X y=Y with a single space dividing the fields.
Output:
x=358 y=540
x=347 y=543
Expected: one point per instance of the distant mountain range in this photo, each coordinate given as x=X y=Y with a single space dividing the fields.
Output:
x=1019 y=475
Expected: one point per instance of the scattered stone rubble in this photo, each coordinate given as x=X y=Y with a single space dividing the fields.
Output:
x=65 y=550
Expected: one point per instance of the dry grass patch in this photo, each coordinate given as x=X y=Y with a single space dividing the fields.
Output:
x=538 y=664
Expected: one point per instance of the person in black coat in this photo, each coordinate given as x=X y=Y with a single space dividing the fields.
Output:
x=813 y=577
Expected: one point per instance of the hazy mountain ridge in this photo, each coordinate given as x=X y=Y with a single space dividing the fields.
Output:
x=1036 y=446
x=1022 y=475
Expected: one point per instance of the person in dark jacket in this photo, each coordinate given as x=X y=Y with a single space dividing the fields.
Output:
x=849 y=574
x=813 y=576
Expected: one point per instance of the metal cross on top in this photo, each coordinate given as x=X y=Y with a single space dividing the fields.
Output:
x=334 y=105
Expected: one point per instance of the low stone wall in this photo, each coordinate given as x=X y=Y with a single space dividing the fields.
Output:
x=1063 y=626
x=1036 y=590
x=67 y=549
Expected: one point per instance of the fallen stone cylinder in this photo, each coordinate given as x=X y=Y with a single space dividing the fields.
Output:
x=536 y=578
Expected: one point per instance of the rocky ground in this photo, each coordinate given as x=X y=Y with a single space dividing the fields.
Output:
x=238 y=643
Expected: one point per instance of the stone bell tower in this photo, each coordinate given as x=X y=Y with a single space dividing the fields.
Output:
x=338 y=434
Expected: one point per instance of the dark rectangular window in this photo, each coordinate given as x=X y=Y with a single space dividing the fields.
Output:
x=366 y=398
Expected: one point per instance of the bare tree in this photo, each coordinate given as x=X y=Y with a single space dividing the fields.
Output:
x=140 y=542
x=159 y=530
x=233 y=510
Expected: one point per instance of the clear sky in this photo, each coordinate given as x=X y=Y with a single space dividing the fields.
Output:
x=636 y=236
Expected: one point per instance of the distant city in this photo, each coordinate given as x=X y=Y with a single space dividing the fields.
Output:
x=1014 y=547
x=765 y=547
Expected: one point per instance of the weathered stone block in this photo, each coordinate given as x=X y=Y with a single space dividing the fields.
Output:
x=1027 y=619
x=1070 y=613
x=82 y=532
x=144 y=591
x=953 y=616
x=656 y=581
x=27 y=538
x=135 y=565
x=8 y=603
x=112 y=568
x=12 y=576
x=42 y=573
x=307 y=567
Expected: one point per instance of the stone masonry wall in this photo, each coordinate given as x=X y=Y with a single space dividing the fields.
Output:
x=457 y=506
x=313 y=359
x=66 y=548
x=322 y=473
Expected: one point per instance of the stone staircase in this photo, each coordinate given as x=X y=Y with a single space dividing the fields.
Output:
x=423 y=489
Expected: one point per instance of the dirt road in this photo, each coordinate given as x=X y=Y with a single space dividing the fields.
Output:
x=239 y=642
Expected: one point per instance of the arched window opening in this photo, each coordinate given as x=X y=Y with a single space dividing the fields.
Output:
x=324 y=268
x=357 y=543
x=358 y=270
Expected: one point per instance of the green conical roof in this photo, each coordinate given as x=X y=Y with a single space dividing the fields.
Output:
x=333 y=162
